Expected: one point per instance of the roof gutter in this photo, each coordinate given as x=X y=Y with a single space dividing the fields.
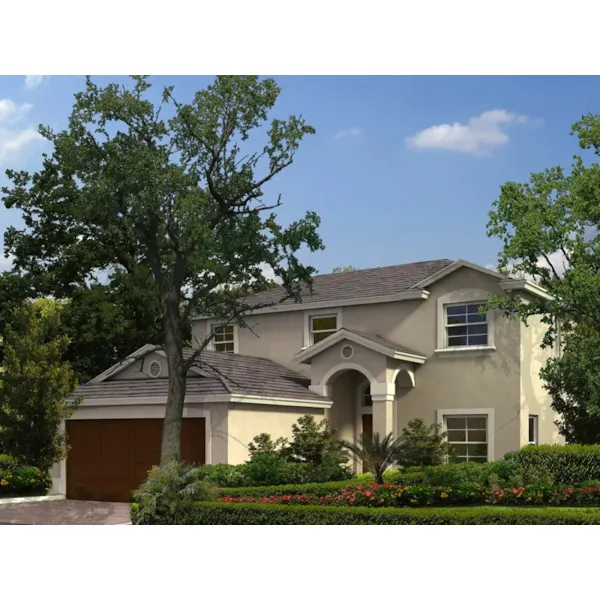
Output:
x=522 y=285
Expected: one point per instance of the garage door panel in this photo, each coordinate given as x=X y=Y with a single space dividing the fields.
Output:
x=111 y=458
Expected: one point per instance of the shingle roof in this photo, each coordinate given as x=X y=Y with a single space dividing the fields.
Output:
x=228 y=373
x=381 y=281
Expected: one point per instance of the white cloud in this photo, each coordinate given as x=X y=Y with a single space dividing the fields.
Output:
x=351 y=132
x=268 y=273
x=480 y=136
x=5 y=262
x=33 y=81
x=10 y=112
x=14 y=140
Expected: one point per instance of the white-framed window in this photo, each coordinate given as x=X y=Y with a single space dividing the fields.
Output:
x=322 y=326
x=224 y=338
x=465 y=326
x=468 y=437
x=366 y=399
x=533 y=430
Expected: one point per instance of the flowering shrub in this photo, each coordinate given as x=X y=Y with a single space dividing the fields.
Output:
x=387 y=495
x=16 y=481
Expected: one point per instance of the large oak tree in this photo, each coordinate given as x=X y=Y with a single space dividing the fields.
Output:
x=173 y=188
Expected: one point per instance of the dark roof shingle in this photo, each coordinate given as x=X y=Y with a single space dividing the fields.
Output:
x=380 y=281
x=226 y=373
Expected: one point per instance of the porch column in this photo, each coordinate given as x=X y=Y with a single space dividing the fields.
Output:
x=383 y=396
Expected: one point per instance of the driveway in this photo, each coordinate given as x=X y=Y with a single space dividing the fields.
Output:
x=65 y=512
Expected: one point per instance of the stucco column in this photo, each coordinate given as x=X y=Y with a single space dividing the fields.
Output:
x=383 y=396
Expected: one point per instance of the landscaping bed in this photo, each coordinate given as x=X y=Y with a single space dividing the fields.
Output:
x=220 y=513
x=18 y=481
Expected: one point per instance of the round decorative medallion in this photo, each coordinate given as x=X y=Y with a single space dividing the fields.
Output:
x=347 y=351
x=154 y=369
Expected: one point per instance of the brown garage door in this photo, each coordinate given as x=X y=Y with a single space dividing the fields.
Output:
x=110 y=458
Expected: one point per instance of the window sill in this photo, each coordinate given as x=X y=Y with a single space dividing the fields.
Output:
x=465 y=349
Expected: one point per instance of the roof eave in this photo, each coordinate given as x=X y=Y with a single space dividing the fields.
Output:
x=280 y=308
x=522 y=285
x=305 y=356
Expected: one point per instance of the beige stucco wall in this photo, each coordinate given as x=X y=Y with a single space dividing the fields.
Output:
x=247 y=421
x=534 y=398
x=466 y=379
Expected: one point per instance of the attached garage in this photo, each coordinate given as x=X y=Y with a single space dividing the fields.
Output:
x=109 y=458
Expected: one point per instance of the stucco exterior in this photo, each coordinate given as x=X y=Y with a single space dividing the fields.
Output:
x=501 y=380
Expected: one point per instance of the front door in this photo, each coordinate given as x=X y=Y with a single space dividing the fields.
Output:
x=367 y=425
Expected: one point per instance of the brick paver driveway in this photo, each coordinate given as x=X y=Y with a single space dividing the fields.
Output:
x=65 y=512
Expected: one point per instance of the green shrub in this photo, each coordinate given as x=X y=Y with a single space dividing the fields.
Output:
x=170 y=493
x=217 y=513
x=223 y=475
x=17 y=481
x=566 y=464
x=7 y=461
x=321 y=489
x=422 y=445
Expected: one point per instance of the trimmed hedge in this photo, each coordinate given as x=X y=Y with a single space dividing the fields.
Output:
x=17 y=482
x=322 y=489
x=568 y=464
x=217 y=513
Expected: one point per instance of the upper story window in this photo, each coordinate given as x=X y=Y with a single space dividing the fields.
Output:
x=465 y=326
x=322 y=326
x=224 y=339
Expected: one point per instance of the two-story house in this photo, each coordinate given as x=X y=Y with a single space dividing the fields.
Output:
x=370 y=350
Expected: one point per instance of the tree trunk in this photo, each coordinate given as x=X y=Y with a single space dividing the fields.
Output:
x=171 y=439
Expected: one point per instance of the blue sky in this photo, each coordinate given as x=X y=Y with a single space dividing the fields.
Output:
x=401 y=168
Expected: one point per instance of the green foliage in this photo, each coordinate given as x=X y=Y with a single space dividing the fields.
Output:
x=270 y=469
x=171 y=491
x=422 y=445
x=35 y=386
x=22 y=481
x=549 y=231
x=263 y=444
x=330 y=487
x=313 y=443
x=346 y=269
x=176 y=188
x=7 y=460
x=569 y=464
x=218 y=513
x=377 y=454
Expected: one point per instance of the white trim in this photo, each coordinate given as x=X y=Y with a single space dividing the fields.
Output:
x=320 y=390
x=155 y=362
x=523 y=285
x=459 y=297
x=536 y=429
x=451 y=268
x=411 y=374
x=211 y=346
x=346 y=366
x=204 y=399
x=460 y=349
x=309 y=314
x=307 y=354
x=329 y=304
x=470 y=412
x=126 y=362
x=360 y=411
x=316 y=403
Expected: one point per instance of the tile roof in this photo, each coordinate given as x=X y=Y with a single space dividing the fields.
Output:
x=365 y=283
x=228 y=373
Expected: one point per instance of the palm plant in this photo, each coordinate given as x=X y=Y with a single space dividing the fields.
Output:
x=376 y=453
